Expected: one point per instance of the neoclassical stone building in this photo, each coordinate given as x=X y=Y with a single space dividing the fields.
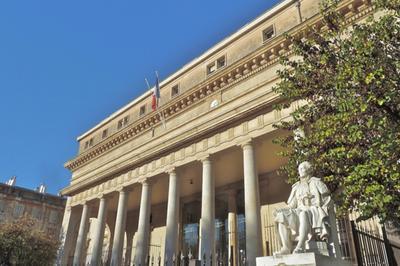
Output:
x=198 y=176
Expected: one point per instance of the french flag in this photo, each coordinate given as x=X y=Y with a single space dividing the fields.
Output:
x=156 y=95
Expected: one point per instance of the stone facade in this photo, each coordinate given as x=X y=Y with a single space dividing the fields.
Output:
x=197 y=177
x=46 y=209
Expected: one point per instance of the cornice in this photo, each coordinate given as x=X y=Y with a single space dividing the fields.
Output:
x=248 y=66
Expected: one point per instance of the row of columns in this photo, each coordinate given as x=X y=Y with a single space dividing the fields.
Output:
x=207 y=223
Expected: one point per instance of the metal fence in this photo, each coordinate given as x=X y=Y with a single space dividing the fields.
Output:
x=361 y=243
x=372 y=249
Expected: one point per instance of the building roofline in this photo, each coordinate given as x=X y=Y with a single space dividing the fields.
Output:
x=47 y=195
x=225 y=42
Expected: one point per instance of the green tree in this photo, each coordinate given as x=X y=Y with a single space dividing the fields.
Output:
x=22 y=244
x=348 y=81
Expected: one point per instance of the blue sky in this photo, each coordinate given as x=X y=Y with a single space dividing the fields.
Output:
x=66 y=65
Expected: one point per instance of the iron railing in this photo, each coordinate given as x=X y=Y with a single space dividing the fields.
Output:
x=372 y=249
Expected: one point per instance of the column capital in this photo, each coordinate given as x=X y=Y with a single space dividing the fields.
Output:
x=245 y=143
x=203 y=157
x=170 y=170
x=143 y=180
x=122 y=189
x=146 y=181
x=100 y=196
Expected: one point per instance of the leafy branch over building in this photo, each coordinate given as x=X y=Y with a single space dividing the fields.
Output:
x=349 y=79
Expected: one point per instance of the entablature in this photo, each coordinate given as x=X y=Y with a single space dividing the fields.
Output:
x=89 y=188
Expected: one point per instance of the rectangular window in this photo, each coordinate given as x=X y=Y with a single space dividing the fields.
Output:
x=37 y=213
x=18 y=210
x=104 y=134
x=211 y=68
x=174 y=90
x=142 y=110
x=217 y=64
x=120 y=124
x=53 y=217
x=220 y=62
x=126 y=120
x=123 y=122
x=89 y=143
x=268 y=33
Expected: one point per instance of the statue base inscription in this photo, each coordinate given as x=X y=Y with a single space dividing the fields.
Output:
x=300 y=259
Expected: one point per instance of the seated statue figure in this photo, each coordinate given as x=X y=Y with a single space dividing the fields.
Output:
x=306 y=216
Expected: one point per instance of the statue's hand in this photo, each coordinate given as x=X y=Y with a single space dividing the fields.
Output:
x=307 y=199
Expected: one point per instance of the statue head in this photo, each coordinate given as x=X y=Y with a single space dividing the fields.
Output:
x=304 y=169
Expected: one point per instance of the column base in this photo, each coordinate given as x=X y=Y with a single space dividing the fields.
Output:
x=194 y=263
x=301 y=259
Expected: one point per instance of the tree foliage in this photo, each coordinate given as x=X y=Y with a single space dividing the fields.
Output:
x=21 y=244
x=348 y=81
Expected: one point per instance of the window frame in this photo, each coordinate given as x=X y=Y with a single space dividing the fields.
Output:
x=178 y=90
x=120 y=124
x=211 y=68
x=219 y=60
x=263 y=33
x=142 y=110
x=125 y=120
x=216 y=65
x=104 y=133
x=88 y=143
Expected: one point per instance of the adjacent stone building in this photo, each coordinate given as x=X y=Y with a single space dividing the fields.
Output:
x=46 y=209
x=198 y=177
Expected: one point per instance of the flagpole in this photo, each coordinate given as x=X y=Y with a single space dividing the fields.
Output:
x=147 y=82
x=161 y=116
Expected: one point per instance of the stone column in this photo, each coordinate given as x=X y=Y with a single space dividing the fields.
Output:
x=232 y=228
x=119 y=232
x=172 y=234
x=207 y=243
x=128 y=253
x=251 y=205
x=67 y=233
x=80 y=241
x=99 y=233
x=143 y=234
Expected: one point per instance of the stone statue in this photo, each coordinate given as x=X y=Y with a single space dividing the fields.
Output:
x=307 y=214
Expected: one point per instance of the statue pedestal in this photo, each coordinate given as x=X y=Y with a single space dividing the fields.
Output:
x=301 y=259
